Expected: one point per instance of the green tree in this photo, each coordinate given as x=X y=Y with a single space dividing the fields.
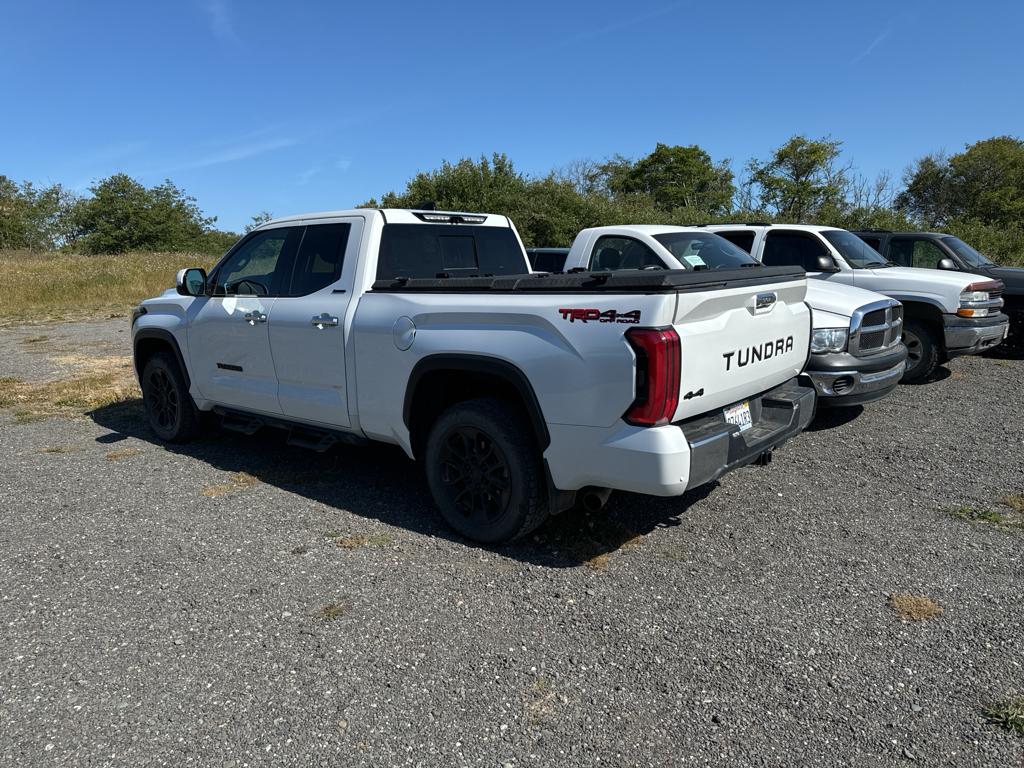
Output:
x=801 y=180
x=677 y=177
x=33 y=217
x=983 y=183
x=123 y=215
x=259 y=219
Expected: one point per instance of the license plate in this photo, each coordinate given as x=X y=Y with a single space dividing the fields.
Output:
x=739 y=415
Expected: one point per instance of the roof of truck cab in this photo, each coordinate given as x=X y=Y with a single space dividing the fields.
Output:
x=800 y=227
x=393 y=216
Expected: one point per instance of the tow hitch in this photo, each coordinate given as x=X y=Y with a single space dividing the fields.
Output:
x=764 y=459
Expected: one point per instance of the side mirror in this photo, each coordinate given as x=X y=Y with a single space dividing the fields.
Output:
x=825 y=263
x=191 y=281
x=947 y=263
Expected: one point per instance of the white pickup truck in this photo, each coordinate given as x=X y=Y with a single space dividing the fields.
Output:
x=857 y=355
x=946 y=314
x=518 y=391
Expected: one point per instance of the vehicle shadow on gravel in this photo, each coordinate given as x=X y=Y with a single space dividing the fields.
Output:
x=380 y=482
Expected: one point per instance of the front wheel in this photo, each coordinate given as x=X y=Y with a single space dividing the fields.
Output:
x=922 y=351
x=167 y=401
x=484 y=471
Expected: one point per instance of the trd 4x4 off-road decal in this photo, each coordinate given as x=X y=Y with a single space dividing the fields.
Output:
x=596 y=315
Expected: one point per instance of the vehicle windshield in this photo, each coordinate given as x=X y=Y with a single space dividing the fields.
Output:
x=704 y=250
x=857 y=253
x=970 y=256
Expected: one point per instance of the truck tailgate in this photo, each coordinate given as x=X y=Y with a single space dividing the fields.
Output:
x=738 y=342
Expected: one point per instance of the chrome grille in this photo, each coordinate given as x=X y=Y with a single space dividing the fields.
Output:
x=876 y=327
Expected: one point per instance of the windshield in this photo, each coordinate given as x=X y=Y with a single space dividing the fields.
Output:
x=857 y=253
x=704 y=250
x=970 y=256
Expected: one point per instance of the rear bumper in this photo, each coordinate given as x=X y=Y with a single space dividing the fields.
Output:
x=717 y=447
x=842 y=379
x=669 y=460
x=968 y=336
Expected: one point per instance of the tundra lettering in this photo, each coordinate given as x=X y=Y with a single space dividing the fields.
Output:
x=756 y=354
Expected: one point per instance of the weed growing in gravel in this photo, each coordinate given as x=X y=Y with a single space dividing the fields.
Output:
x=541 y=701
x=358 y=542
x=57 y=449
x=1014 y=501
x=914 y=607
x=124 y=453
x=1007 y=714
x=238 y=482
x=1013 y=517
x=332 y=611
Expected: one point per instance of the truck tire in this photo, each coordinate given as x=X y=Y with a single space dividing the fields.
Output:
x=484 y=471
x=169 y=407
x=922 y=351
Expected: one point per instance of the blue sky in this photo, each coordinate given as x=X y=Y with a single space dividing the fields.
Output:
x=306 y=106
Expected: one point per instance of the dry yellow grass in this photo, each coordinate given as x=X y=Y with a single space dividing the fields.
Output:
x=914 y=607
x=123 y=453
x=94 y=382
x=1014 y=501
x=358 y=542
x=238 y=482
x=44 y=286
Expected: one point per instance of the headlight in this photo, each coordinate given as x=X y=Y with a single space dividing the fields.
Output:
x=976 y=299
x=137 y=312
x=828 y=340
x=970 y=303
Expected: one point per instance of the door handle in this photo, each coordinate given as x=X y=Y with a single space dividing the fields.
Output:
x=323 y=321
x=254 y=317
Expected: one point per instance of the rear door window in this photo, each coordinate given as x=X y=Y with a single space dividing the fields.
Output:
x=791 y=248
x=437 y=250
x=320 y=258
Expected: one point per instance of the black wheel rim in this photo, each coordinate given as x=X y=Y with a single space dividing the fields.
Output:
x=162 y=398
x=475 y=474
x=914 y=352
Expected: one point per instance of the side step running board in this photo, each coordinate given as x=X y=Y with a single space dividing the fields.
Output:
x=301 y=435
x=314 y=440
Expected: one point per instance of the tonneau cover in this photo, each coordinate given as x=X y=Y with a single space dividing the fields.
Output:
x=621 y=281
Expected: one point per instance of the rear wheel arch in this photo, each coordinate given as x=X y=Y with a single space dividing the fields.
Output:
x=439 y=381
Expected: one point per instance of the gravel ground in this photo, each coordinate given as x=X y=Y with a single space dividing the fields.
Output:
x=238 y=602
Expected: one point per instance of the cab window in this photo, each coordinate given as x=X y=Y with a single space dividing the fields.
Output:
x=260 y=264
x=320 y=258
x=743 y=238
x=793 y=249
x=614 y=252
x=915 y=252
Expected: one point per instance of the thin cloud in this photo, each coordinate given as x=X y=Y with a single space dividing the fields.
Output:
x=343 y=165
x=306 y=175
x=631 y=21
x=231 y=154
x=219 y=12
x=871 y=47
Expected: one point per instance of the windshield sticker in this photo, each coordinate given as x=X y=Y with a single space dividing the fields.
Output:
x=695 y=261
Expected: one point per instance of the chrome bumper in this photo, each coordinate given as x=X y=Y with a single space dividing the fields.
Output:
x=968 y=338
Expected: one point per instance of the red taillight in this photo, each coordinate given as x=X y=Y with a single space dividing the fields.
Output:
x=658 y=361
